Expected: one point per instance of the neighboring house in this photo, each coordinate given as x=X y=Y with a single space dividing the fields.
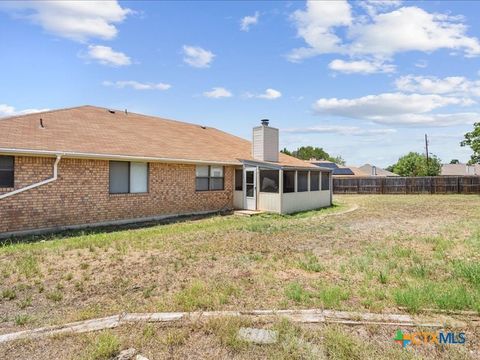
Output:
x=337 y=170
x=87 y=165
x=372 y=170
x=351 y=171
x=461 y=169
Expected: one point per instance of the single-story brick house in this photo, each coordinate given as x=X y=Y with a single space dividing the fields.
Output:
x=90 y=166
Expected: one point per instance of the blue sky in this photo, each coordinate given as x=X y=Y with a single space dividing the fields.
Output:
x=364 y=80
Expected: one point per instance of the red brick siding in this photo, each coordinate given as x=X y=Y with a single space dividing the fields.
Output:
x=81 y=194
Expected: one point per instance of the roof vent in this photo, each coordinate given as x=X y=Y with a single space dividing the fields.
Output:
x=126 y=112
x=111 y=111
x=203 y=127
x=265 y=122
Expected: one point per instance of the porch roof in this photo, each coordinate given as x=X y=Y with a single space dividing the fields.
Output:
x=281 y=166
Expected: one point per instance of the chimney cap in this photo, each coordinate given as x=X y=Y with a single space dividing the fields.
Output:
x=265 y=122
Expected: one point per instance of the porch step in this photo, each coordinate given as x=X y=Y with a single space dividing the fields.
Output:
x=247 y=212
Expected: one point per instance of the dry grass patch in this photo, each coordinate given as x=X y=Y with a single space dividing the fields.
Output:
x=217 y=338
x=384 y=255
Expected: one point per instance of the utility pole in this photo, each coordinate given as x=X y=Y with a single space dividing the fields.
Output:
x=426 y=148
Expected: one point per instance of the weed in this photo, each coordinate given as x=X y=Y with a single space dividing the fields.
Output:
x=226 y=329
x=149 y=332
x=28 y=265
x=40 y=287
x=310 y=263
x=68 y=276
x=332 y=296
x=25 y=303
x=447 y=296
x=89 y=312
x=202 y=296
x=469 y=271
x=413 y=298
x=383 y=277
x=341 y=346
x=54 y=295
x=175 y=337
x=148 y=291
x=9 y=294
x=419 y=270
x=79 y=286
x=22 y=319
x=106 y=346
x=453 y=297
x=401 y=252
x=294 y=291
x=291 y=343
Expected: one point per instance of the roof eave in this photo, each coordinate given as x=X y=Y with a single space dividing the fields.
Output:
x=82 y=155
x=282 y=166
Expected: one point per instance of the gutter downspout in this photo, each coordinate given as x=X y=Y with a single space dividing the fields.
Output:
x=54 y=178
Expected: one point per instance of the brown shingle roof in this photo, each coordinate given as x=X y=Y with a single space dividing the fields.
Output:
x=94 y=130
x=460 y=169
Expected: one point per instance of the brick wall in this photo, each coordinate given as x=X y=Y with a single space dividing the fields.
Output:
x=81 y=194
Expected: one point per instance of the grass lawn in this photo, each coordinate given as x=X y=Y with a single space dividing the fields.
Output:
x=393 y=254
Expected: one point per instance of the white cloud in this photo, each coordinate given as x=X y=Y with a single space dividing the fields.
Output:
x=316 y=26
x=341 y=130
x=377 y=34
x=248 y=21
x=432 y=119
x=7 y=110
x=412 y=29
x=217 y=92
x=373 y=7
x=422 y=64
x=434 y=85
x=197 y=57
x=270 y=94
x=384 y=104
x=105 y=55
x=361 y=66
x=121 y=84
x=397 y=108
x=75 y=20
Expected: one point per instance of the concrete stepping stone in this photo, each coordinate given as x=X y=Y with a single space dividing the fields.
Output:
x=258 y=336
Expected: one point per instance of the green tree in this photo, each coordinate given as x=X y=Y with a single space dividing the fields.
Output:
x=454 y=161
x=472 y=139
x=310 y=152
x=390 y=168
x=336 y=159
x=415 y=164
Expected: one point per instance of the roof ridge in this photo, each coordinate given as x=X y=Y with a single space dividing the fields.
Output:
x=43 y=112
x=168 y=119
x=171 y=120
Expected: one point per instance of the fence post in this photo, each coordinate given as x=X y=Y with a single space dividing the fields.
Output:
x=458 y=185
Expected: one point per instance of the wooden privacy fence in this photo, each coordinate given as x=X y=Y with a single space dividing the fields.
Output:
x=407 y=185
